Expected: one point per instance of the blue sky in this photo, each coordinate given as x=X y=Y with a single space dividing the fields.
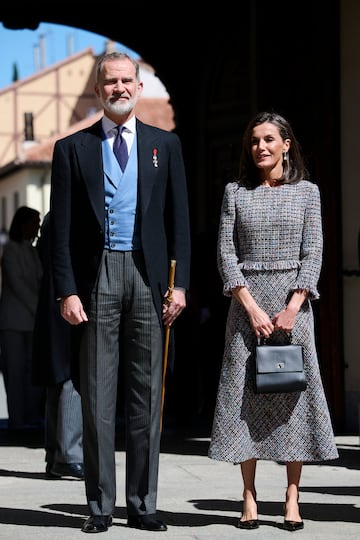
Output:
x=22 y=47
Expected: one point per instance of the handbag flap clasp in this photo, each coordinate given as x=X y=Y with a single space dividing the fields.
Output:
x=278 y=358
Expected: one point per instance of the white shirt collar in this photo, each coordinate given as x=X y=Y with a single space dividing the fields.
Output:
x=109 y=126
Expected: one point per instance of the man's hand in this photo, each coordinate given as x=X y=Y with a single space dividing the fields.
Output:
x=171 y=310
x=72 y=310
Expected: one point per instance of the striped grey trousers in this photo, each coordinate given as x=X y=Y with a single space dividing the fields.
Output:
x=63 y=424
x=123 y=327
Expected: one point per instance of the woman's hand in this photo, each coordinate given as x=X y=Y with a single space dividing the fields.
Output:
x=285 y=320
x=259 y=320
x=261 y=323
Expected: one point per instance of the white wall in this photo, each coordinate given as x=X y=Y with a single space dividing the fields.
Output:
x=31 y=187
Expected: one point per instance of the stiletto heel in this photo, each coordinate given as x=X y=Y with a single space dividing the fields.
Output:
x=249 y=524
x=293 y=525
x=290 y=525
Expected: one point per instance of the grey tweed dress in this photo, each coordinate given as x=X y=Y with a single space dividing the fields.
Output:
x=270 y=240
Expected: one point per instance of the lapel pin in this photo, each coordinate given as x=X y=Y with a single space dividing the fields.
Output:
x=155 y=158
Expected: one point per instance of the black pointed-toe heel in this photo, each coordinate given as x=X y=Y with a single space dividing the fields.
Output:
x=293 y=526
x=248 y=524
x=290 y=525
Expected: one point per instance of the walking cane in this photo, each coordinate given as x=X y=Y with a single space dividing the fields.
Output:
x=167 y=338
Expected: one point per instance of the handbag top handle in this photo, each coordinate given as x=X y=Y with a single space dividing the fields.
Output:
x=262 y=340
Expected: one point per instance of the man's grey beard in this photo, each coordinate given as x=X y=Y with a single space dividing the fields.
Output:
x=118 y=108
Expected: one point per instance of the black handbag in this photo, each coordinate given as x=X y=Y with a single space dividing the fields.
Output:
x=279 y=368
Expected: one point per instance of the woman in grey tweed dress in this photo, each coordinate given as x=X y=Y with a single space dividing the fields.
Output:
x=269 y=259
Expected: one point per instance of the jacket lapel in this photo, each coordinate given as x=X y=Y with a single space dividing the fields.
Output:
x=89 y=154
x=148 y=143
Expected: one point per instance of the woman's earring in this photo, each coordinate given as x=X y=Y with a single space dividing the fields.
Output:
x=285 y=156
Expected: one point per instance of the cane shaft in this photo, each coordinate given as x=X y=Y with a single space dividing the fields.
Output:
x=167 y=338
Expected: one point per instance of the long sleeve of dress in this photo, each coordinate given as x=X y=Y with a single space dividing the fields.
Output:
x=311 y=246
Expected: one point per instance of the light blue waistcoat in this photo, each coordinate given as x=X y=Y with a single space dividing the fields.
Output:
x=121 y=221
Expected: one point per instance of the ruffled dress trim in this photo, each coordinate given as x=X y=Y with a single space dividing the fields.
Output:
x=240 y=281
x=269 y=265
x=227 y=289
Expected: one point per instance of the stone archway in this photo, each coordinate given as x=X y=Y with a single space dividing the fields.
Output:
x=220 y=68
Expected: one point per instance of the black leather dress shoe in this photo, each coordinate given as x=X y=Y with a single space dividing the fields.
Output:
x=97 y=524
x=146 y=523
x=75 y=470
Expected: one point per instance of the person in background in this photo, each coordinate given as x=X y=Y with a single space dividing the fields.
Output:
x=52 y=370
x=269 y=259
x=21 y=272
x=115 y=227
